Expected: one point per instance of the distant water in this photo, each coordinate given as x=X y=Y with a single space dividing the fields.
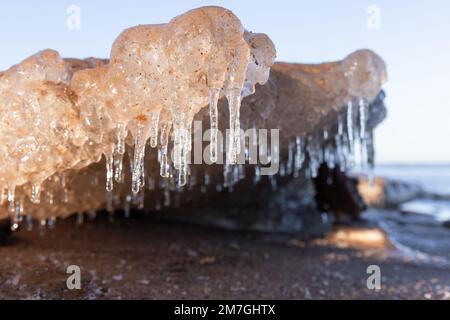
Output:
x=433 y=178
x=420 y=227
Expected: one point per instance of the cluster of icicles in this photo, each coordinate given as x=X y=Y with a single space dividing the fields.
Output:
x=59 y=115
x=348 y=144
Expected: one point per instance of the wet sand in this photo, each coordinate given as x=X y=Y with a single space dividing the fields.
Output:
x=142 y=258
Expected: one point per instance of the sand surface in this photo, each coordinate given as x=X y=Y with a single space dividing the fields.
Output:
x=141 y=258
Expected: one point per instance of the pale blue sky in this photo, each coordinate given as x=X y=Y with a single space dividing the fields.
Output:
x=414 y=40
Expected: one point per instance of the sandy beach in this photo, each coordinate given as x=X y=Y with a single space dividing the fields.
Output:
x=141 y=258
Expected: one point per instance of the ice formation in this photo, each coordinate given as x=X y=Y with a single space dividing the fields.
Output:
x=59 y=116
x=64 y=120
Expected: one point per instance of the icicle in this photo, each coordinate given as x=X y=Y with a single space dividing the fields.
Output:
x=213 y=118
x=109 y=172
x=64 y=194
x=298 y=160
x=340 y=130
x=189 y=138
x=142 y=170
x=180 y=150
x=290 y=160
x=182 y=174
x=118 y=167
x=154 y=130
x=363 y=113
x=138 y=161
x=325 y=134
x=11 y=197
x=36 y=193
x=351 y=139
x=121 y=135
x=163 y=158
x=370 y=157
x=234 y=104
